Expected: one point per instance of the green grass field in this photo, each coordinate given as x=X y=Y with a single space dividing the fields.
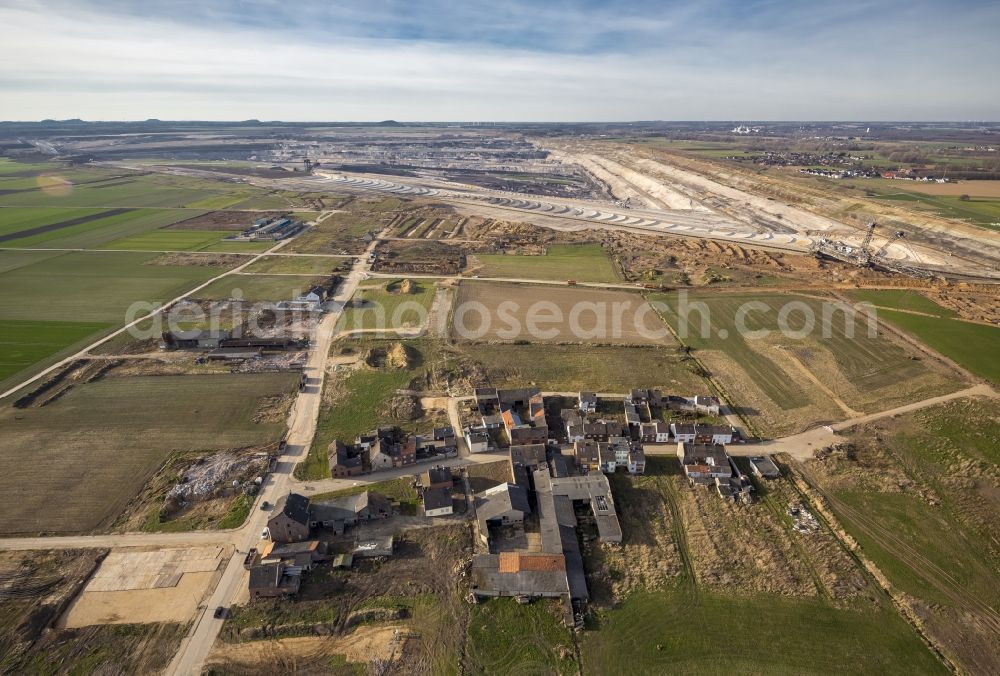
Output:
x=260 y=287
x=604 y=368
x=169 y=240
x=299 y=265
x=386 y=307
x=505 y=637
x=73 y=464
x=941 y=553
x=581 y=262
x=89 y=286
x=974 y=346
x=23 y=343
x=365 y=393
x=900 y=299
x=90 y=234
x=867 y=363
x=718 y=633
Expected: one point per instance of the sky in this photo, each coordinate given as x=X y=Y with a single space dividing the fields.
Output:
x=503 y=60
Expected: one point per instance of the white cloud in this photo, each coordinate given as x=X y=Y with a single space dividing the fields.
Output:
x=97 y=65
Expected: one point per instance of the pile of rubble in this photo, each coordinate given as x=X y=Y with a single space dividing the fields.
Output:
x=215 y=476
x=804 y=521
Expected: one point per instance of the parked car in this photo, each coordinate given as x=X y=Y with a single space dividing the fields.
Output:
x=265 y=505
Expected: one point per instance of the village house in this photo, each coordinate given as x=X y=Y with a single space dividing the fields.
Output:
x=636 y=460
x=436 y=477
x=632 y=418
x=657 y=432
x=290 y=520
x=295 y=555
x=713 y=434
x=345 y=461
x=383 y=455
x=595 y=456
x=349 y=510
x=703 y=463
x=683 y=432
x=588 y=402
x=444 y=440
x=437 y=501
x=528 y=456
x=707 y=404
x=272 y=580
x=477 y=439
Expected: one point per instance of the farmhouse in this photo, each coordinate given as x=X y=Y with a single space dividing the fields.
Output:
x=194 y=339
x=503 y=505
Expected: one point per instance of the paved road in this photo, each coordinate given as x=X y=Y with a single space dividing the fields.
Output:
x=302 y=427
x=801 y=446
x=192 y=539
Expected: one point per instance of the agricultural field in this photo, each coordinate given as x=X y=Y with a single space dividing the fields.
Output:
x=169 y=240
x=82 y=228
x=52 y=301
x=394 y=304
x=580 y=262
x=298 y=265
x=693 y=567
x=786 y=381
x=260 y=288
x=900 y=299
x=74 y=463
x=722 y=632
x=568 y=368
x=89 y=286
x=973 y=346
x=948 y=200
x=918 y=493
x=492 y=311
x=24 y=343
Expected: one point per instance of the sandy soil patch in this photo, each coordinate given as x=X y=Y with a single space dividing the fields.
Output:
x=365 y=644
x=146 y=586
x=140 y=606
